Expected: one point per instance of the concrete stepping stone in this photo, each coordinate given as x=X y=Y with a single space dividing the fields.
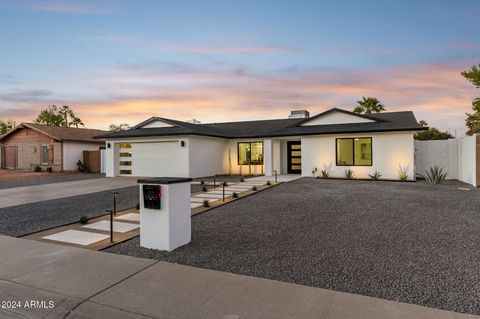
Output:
x=118 y=227
x=130 y=216
x=77 y=237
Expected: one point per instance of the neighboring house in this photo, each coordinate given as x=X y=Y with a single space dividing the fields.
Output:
x=334 y=140
x=60 y=148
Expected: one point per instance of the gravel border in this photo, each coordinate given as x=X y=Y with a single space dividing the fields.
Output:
x=47 y=180
x=409 y=242
x=24 y=219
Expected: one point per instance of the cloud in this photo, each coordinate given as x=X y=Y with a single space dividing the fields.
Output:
x=131 y=92
x=225 y=50
x=69 y=7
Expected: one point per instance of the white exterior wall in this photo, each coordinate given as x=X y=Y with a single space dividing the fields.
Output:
x=390 y=151
x=73 y=152
x=468 y=160
x=206 y=156
x=443 y=153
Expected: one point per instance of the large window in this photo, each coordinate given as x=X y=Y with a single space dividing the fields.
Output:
x=250 y=153
x=354 y=151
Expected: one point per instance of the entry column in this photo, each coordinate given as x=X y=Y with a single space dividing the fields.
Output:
x=165 y=214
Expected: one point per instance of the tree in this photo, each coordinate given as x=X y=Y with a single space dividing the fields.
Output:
x=431 y=134
x=6 y=126
x=56 y=116
x=369 y=105
x=118 y=127
x=472 y=122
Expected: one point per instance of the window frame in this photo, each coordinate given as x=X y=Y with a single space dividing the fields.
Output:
x=48 y=154
x=250 y=160
x=353 y=150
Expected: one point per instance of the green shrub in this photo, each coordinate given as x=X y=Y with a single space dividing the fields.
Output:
x=348 y=173
x=325 y=173
x=83 y=220
x=254 y=188
x=376 y=175
x=206 y=203
x=434 y=175
x=235 y=195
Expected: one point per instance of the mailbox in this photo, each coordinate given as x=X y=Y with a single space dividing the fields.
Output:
x=152 y=196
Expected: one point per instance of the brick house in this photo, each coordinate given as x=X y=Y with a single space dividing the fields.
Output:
x=31 y=144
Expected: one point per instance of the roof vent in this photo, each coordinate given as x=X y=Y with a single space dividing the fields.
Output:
x=299 y=114
x=194 y=121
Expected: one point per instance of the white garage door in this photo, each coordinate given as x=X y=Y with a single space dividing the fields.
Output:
x=158 y=159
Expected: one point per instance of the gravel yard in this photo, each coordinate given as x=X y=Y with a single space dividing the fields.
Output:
x=409 y=242
x=24 y=219
x=10 y=179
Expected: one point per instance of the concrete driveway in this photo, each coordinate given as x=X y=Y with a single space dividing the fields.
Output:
x=30 y=194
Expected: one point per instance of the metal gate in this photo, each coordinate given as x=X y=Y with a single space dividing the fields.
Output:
x=10 y=155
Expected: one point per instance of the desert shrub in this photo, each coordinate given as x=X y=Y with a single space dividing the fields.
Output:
x=348 y=173
x=325 y=173
x=434 y=175
x=376 y=175
x=206 y=203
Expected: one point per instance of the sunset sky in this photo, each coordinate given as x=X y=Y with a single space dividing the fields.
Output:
x=124 y=61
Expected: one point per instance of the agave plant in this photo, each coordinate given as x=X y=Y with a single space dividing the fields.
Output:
x=325 y=173
x=376 y=175
x=348 y=173
x=206 y=203
x=434 y=175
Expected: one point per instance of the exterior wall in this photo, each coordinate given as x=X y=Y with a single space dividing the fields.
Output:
x=231 y=159
x=468 y=158
x=29 y=144
x=444 y=153
x=206 y=156
x=390 y=151
x=73 y=152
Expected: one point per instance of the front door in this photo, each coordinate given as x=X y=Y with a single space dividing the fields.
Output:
x=294 y=157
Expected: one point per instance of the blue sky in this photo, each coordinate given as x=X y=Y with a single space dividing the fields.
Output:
x=123 y=61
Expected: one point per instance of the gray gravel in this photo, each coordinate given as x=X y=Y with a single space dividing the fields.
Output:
x=47 y=180
x=409 y=242
x=24 y=219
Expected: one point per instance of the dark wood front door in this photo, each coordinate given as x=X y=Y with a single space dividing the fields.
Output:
x=294 y=157
x=10 y=155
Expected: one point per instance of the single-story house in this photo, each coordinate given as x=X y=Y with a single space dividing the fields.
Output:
x=29 y=145
x=334 y=140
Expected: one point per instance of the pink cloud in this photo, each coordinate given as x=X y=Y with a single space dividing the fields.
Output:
x=131 y=93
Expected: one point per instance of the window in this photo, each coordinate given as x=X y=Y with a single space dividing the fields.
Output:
x=44 y=154
x=354 y=151
x=250 y=153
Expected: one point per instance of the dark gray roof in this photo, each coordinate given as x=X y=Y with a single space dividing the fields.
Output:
x=384 y=122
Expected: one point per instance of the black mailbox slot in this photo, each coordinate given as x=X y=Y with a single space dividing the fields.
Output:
x=152 y=196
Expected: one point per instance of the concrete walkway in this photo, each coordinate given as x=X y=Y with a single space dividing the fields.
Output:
x=88 y=284
x=29 y=194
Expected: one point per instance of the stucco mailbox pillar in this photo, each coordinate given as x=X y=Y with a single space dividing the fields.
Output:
x=165 y=213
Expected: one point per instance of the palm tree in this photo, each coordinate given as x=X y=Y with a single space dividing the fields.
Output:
x=369 y=105
x=76 y=121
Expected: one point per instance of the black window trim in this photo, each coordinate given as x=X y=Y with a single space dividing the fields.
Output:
x=353 y=151
x=238 y=152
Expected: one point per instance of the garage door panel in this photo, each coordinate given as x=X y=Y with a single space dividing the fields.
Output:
x=157 y=159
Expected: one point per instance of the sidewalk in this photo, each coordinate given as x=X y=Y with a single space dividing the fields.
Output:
x=90 y=284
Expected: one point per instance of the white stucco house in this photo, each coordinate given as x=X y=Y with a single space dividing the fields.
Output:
x=334 y=140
